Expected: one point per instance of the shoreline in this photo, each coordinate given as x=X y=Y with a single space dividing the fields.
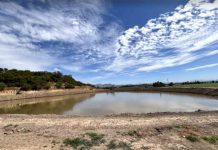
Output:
x=122 y=115
x=211 y=92
x=45 y=93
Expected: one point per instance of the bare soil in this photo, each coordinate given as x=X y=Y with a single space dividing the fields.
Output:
x=159 y=131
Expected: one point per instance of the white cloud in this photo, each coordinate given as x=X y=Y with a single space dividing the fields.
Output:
x=73 y=35
x=22 y=58
x=173 y=39
x=202 y=67
x=74 y=25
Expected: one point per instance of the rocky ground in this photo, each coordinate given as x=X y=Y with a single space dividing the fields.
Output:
x=198 y=130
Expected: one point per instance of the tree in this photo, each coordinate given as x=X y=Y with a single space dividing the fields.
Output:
x=47 y=86
x=29 y=80
x=158 y=84
x=69 y=86
x=171 y=84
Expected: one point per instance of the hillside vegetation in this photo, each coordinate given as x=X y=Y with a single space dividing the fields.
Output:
x=200 y=85
x=28 y=80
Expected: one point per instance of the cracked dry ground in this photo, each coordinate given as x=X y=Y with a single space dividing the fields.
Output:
x=197 y=130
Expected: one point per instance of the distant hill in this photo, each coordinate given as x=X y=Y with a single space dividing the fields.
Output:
x=28 y=80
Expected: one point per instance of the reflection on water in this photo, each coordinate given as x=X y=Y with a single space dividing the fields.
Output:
x=49 y=105
x=115 y=103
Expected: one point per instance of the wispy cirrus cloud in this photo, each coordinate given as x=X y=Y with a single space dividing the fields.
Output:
x=175 y=38
x=202 y=67
x=65 y=34
x=74 y=36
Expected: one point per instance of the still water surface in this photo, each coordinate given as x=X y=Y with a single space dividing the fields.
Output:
x=111 y=103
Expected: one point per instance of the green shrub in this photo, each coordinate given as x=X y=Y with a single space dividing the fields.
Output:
x=69 y=86
x=76 y=142
x=47 y=86
x=112 y=144
x=84 y=142
x=133 y=133
x=26 y=87
x=2 y=86
x=37 y=80
x=192 y=138
x=211 y=139
x=58 y=85
x=96 y=139
x=118 y=145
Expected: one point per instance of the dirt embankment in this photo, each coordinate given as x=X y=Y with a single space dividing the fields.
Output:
x=170 y=131
x=62 y=92
x=46 y=93
x=201 y=91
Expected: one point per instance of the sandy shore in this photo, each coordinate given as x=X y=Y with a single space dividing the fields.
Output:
x=151 y=131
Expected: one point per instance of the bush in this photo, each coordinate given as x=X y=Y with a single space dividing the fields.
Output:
x=69 y=86
x=211 y=139
x=59 y=85
x=47 y=86
x=26 y=87
x=2 y=86
x=36 y=86
x=133 y=133
x=84 y=142
x=192 y=138
x=118 y=145
x=76 y=142
x=96 y=139
x=158 y=84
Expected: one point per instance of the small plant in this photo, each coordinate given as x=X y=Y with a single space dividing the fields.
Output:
x=93 y=139
x=76 y=142
x=96 y=139
x=177 y=126
x=113 y=144
x=211 y=139
x=144 y=148
x=124 y=146
x=192 y=138
x=173 y=127
x=54 y=142
x=134 y=133
x=10 y=125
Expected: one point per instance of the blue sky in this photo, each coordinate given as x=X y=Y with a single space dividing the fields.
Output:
x=112 y=41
